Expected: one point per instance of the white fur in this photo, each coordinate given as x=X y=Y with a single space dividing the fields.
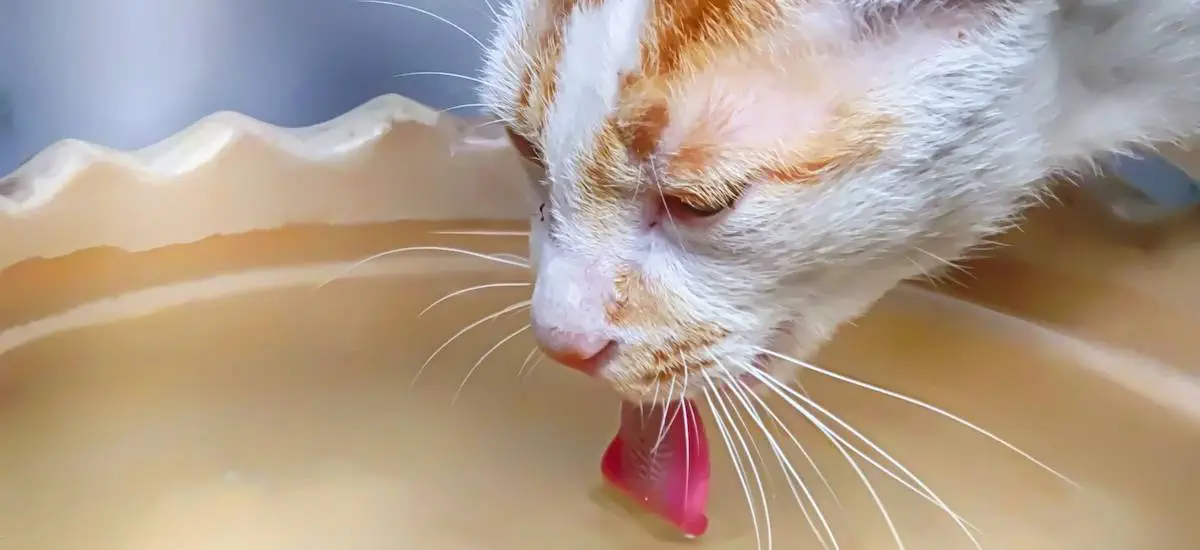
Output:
x=598 y=45
x=1043 y=86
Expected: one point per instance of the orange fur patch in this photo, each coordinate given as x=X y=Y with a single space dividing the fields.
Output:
x=691 y=158
x=650 y=366
x=604 y=175
x=684 y=30
x=701 y=173
x=635 y=302
x=856 y=136
x=539 y=83
x=642 y=133
x=639 y=303
x=680 y=33
x=643 y=114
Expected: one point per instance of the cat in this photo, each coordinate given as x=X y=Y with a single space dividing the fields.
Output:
x=729 y=181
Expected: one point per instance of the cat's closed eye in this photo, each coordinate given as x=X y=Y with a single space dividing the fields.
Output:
x=688 y=207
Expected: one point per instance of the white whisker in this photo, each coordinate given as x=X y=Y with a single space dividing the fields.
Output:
x=491 y=122
x=662 y=427
x=654 y=396
x=795 y=441
x=509 y=309
x=485 y=232
x=428 y=13
x=511 y=257
x=466 y=290
x=709 y=392
x=466 y=106
x=536 y=361
x=491 y=8
x=662 y=432
x=921 y=493
x=757 y=453
x=927 y=491
x=440 y=73
x=679 y=409
x=793 y=478
x=761 y=462
x=785 y=392
x=687 y=440
x=386 y=253
x=753 y=468
x=481 y=359
x=663 y=198
x=862 y=476
x=946 y=262
x=924 y=491
x=526 y=362
x=922 y=405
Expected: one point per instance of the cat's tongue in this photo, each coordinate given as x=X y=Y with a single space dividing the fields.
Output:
x=660 y=459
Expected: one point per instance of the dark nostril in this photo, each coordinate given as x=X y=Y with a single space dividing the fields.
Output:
x=581 y=352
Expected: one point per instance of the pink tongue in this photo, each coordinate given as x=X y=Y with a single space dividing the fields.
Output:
x=660 y=459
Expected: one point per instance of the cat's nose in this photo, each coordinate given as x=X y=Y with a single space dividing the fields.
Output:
x=586 y=353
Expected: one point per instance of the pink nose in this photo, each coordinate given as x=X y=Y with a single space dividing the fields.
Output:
x=582 y=352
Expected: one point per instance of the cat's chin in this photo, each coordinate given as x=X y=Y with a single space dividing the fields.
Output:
x=765 y=371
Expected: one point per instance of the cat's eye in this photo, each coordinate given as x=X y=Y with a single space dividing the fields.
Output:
x=525 y=147
x=542 y=212
x=689 y=208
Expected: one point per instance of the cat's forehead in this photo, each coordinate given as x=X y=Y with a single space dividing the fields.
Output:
x=557 y=46
x=615 y=92
x=590 y=80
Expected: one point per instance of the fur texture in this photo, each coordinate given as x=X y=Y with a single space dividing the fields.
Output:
x=855 y=143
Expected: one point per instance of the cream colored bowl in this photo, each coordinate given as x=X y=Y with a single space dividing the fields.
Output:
x=174 y=377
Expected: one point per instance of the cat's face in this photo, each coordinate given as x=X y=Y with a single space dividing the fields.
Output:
x=727 y=177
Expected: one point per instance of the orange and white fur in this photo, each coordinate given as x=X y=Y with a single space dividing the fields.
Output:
x=731 y=179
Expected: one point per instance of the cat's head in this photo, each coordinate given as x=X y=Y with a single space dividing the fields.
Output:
x=730 y=177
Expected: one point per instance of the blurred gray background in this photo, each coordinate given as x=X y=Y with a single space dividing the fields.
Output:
x=127 y=73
